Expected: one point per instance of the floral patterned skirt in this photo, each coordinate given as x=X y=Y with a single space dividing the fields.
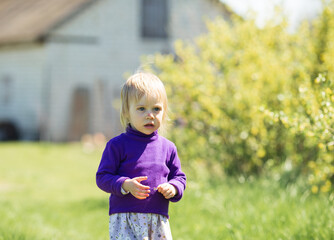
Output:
x=139 y=226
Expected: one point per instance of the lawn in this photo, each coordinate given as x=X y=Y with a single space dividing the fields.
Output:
x=48 y=191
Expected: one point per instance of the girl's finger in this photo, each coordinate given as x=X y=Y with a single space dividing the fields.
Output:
x=139 y=179
x=162 y=187
x=145 y=191
x=141 y=196
x=142 y=187
x=139 y=185
x=170 y=195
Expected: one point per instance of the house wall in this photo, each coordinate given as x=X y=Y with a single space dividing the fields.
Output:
x=69 y=67
x=21 y=87
x=99 y=62
x=92 y=52
x=75 y=61
x=115 y=51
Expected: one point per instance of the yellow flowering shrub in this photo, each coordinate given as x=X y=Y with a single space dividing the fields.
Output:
x=246 y=99
x=311 y=132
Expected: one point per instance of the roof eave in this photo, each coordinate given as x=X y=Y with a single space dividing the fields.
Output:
x=42 y=35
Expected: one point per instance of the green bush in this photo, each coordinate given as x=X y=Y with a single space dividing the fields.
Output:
x=248 y=100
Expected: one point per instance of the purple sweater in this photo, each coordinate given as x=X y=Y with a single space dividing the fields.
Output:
x=134 y=154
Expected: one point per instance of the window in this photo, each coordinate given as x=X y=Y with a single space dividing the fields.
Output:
x=154 y=19
x=5 y=89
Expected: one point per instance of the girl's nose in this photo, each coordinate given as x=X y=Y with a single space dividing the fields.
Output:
x=149 y=115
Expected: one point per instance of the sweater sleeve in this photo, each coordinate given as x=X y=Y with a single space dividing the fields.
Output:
x=176 y=177
x=106 y=176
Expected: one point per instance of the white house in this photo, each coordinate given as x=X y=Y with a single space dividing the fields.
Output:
x=62 y=62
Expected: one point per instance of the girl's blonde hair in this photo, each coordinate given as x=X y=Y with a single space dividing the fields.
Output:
x=139 y=85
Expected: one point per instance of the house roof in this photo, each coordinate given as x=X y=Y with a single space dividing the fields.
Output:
x=32 y=20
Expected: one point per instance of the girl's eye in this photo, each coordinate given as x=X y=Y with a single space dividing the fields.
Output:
x=141 y=109
x=157 y=109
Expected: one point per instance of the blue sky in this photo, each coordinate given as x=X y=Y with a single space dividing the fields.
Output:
x=296 y=10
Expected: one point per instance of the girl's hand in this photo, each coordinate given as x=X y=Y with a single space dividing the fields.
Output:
x=168 y=190
x=137 y=189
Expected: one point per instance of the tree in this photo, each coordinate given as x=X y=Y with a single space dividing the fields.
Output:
x=248 y=100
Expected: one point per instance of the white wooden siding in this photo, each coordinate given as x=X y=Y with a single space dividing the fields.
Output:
x=24 y=66
x=93 y=49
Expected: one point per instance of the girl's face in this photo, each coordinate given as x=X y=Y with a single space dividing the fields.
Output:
x=146 y=115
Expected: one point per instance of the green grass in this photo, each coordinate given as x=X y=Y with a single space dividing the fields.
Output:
x=48 y=191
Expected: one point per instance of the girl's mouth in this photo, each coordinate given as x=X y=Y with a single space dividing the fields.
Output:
x=149 y=125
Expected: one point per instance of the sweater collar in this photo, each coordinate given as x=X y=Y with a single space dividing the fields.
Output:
x=139 y=135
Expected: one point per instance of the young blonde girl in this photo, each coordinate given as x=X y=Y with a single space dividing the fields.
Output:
x=139 y=168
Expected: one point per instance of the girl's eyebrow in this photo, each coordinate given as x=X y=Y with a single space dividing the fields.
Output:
x=143 y=105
